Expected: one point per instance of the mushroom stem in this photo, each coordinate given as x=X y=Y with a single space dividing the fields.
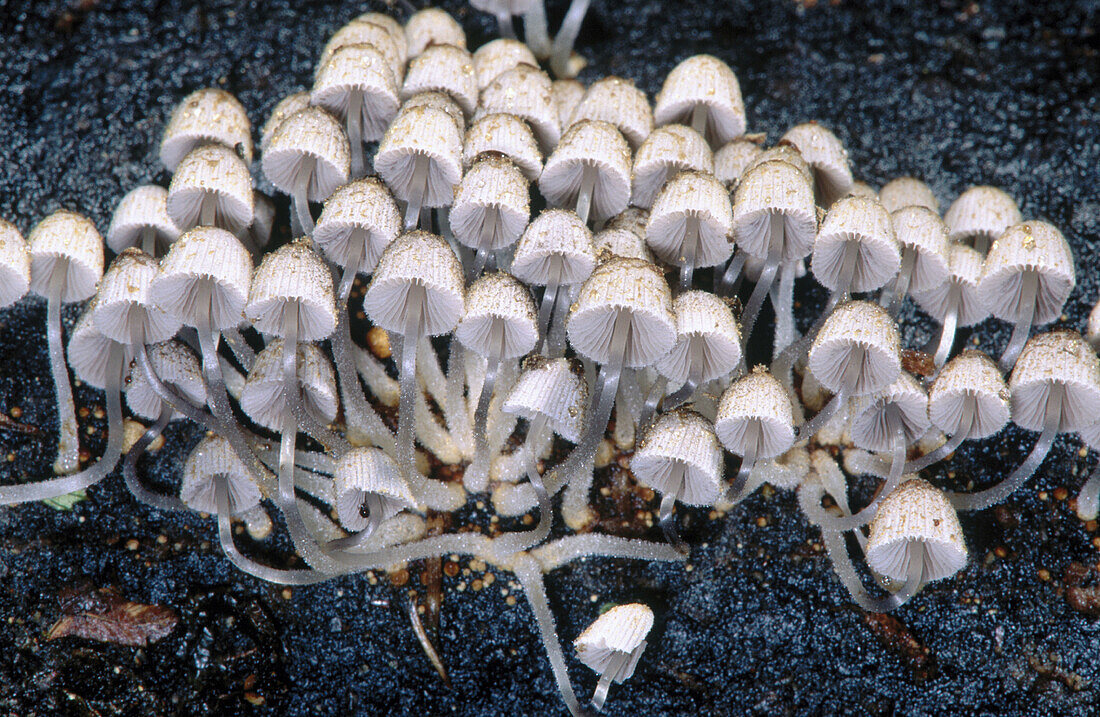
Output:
x=731 y=277
x=535 y=30
x=894 y=293
x=847 y=275
x=1088 y=500
x=244 y=354
x=515 y=542
x=567 y=35
x=767 y=276
x=558 y=340
x=208 y=210
x=616 y=664
x=668 y=507
x=550 y=295
x=488 y=231
x=950 y=321
x=689 y=249
x=129 y=466
x=372 y=503
x=652 y=400
x=68 y=440
x=783 y=302
x=504 y=21
x=852 y=369
x=753 y=434
x=1027 y=303
x=300 y=197
x=699 y=117
x=418 y=189
x=149 y=241
x=414 y=308
x=355 y=132
x=586 y=190
x=696 y=359
x=482 y=456
x=981 y=243
x=291 y=398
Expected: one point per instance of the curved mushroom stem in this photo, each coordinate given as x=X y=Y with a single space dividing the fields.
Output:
x=1088 y=500
x=699 y=118
x=616 y=665
x=696 y=360
x=488 y=232
x=767 y=276
x=1027 y=304
x=418 y=189
x=966 y=425
x=950 y=321
x=783 y=365
x=244 y=354
x=842 y=565
x=355 y=132
x=515 y=542
x=129 y=466
x=753 y=434
x=688 y=250
x=567 y=35
x=550 y=296
x=586 y=190
x=783 y=303
x=558 y=341
x=652 y=400
x=68 y=441
x=1052 y=422
x=406 y=457
x=54 y=487
x=535 y=30
x=894 y=293
x=372 y=502
x=300 y=196
x=482 y=456
x=149 y=241
x=848 y=383
x=731 y=278
x=668 y=507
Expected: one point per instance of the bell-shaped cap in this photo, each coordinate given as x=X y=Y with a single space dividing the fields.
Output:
x=756 y=398
x=619 y=631
x=965 y=269
x=595 y=145
x=262 y=396
x=916 y=512
x=525 y=92
x=706 y=81
x=206 y=116
x=89 y=350
x=432 y=26
x=293 y=275
x=417 y=258
x=774 y=187
x=143 y=208
x=213 y=456
x=1031 y=246
x=908 y=192
x=680 y=439
x=507 y=135
x=554 y=389
x=204 y=254
x=72 y=237
x=554 y=233
x=871 y=429
x=361 y=212
x=360 y=69
x=920 y=230
x=733 y=158
x=866 y=222
x=369 y=471
x=284 y=108
x=310 y=135
x=124 y=301
x=567 y=94
x=498 y=301
x=705 y=330
x=492 y=205
x=374 y=32
x=970 y=376
x=826 y=155
x=666 y=152
x=981 y=212
x=447 y=69
x=618 y=102
x=427 y=133
x=15 y=265
x=1056 y=357
x=496 y=57
x=211 y=173
x=698 y=197
x=857 y=325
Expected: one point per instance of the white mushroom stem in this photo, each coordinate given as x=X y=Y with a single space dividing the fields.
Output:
x=129 y=466
x=699 y=117
x=753 y=435
x=1027 y=304
x=418 y=189
x=653 y=399
x=504 y=22
x=966 y=425
x=550 y=295
x=482 y=455
x=372 y=504
x=535 y=30
x=696 y=359
x=618 y=662
x=300 y=198
x=208 y=210
x=244 y=354
x=847 y=275
x=783 y=303
x=414 y=316
x=848 y=382
x=567 y=35
x=68 y=441
x=688 y=250
x=149 y=241
x=731 y=278
x=62 y=485
x=485 y=240
x=589 y=174
x=783 y=365
x=1052 y=422
x=950 y=322
x=558 y=339
x=355 y=132
x=668 y=507
x=1088 y=500
x=894 y=293
x=555 y=554
x=515 y=542
x=767 y=276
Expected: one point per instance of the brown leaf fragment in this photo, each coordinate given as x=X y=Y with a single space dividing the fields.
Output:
x=105 y=616
x=895 y=636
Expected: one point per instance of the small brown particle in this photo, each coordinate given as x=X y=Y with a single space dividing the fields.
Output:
x=254 y=699
x=379 y=342
x=132 y=544
x=16 y=412
x=450 y=568
x=399 y=578
x=1044 y=575
x=1060 y=494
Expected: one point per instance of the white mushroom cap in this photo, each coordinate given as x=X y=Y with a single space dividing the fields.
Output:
x=862 y=189
x=760 y=397
x=1032 y=246
x=15 y=265
x=177 y=367
x=363 y=471
x=358 y=68
x=1056 y=357
x=567 y=94
x=783 y=153
x=204 y=254
x=633 y=219
x=66 y=235
x=618 y=102
x=553 y=388
x=425 y=132
x=447 y=69
x=589 y=143
x=702 y=317
x=207 y=116
x=769 y=188
x=554 y=232
x=215 y=172
x=393 y=28
x=981 y=212
x=852 y=324
x=498 y=56
x=965 y=266
x=493 y=298
x=362 y=211
x=636 y=289
x=287 y=106
x=144 y=207
x=622 y=242
x=124 y=299
x=313 y=134
x=665 y=152
x=861 y=220
x=921 y=230
x=916 y=511
x=731 y=161
x=369 y=32
x=869 y=430
x=825 y=153
x=213 y=456
x=89 y=350
x=417 y=258
x=970 y=376
x=691 y=195
x=703 y=80
x=908 y=192
x=432 y=26
x=296 y=275
x=680 y=437
x=493 y=190
x=262 y=396
x=525 y=92
x=507 y=135
x=622 y=629
x=437 y=101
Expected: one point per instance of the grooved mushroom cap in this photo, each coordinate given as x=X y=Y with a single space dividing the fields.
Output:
x=1031 y=246
x=507 y=135
x=862 y=189
x=432 y=26
x=309 y=134
x=869 y=428
x=567 y=94
x=731 y=161
x=622 y=242
x=852 y=324
x=916 y=511
x=363 y=471
x=447 y=69
x=981 y=211
x=691 y=195
x=89 y=350
x=617 y=102
x=622 y=629
x=554 y=232
x=358 y=68
x=498 y=298
x=287 y=106
x=970 y=376
x=15 y=265
x=204 y=254
x=525 y=92
x=493 y=190
x=636 y=289
x=437 y=101
x=368 y=32
x=703 y=80
x=589 y=143
x=553 y=388
x=633 y=219
x=665 y=152
x=783 y=153
x=70 y=236
x=363 y=211
x=680 y=437
x=774 y=188
x=826 y=155
x=292 y=275
x=203 y=117
x=417 y=258
x=262 y=396
x=908 y=192
x=866 y=222
x=393 y=28
x=921 y=230
x=124 y=299
x=421 y=132
x=177 y=367
x=703 y=320
x=498 y=56
x=965 y=266
x=211 y=172
x=213 y=456
x=1062 y=357
x=144 y=207
x=760 y=397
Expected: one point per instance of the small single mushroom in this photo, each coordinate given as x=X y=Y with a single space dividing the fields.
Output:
x=446 y=69
x=665 y=152
x=492 y=205
x=733 y=159
x=828 y=159
x=618 y=102
x=372 y=31
x=125 y=311
x=613 y=644
x=562 y=50
x=507 y=135
x=66 y=255
x=690 y=224
x=369 y=490
x=141 y=219
x=207 y=116
x=897 y=194
x=496 y=57
x=703 y=93
x=15 y=265
x=856 y=249
x=922 y=236
x=211 y=187
x=432 y=26
x=680 y=458
x=525 y=92
x=589 y=171
x=262 y=397
x=955 y=302
x=291 y=104
x=754 y=421
x=980 y=215
x=1026 y=278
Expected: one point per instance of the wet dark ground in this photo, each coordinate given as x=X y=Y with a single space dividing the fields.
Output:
x=957 y=93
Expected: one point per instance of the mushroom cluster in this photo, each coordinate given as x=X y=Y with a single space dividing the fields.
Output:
x=575 y=257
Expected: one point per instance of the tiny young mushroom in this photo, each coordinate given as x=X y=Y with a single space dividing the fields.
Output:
x=492 y=205
x=897 y=194
x=980 y=215
x=446 y=69
x=507 y=135
x=141 y=219
x=525 y=92
x=956 y=301
x=211 y=187
x=828 y=159
x=703 y=93
x=496 y=57
x=922 y=236
x=690 y=224
x=754 y=421
x=369 y=490
x=613 y=644
x=589 y=171
x=432 y=26
x=15 y=265
x=664 y=153
x=206 y=116
x=618 y=102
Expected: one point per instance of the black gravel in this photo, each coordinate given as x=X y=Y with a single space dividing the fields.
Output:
x=954 y=92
